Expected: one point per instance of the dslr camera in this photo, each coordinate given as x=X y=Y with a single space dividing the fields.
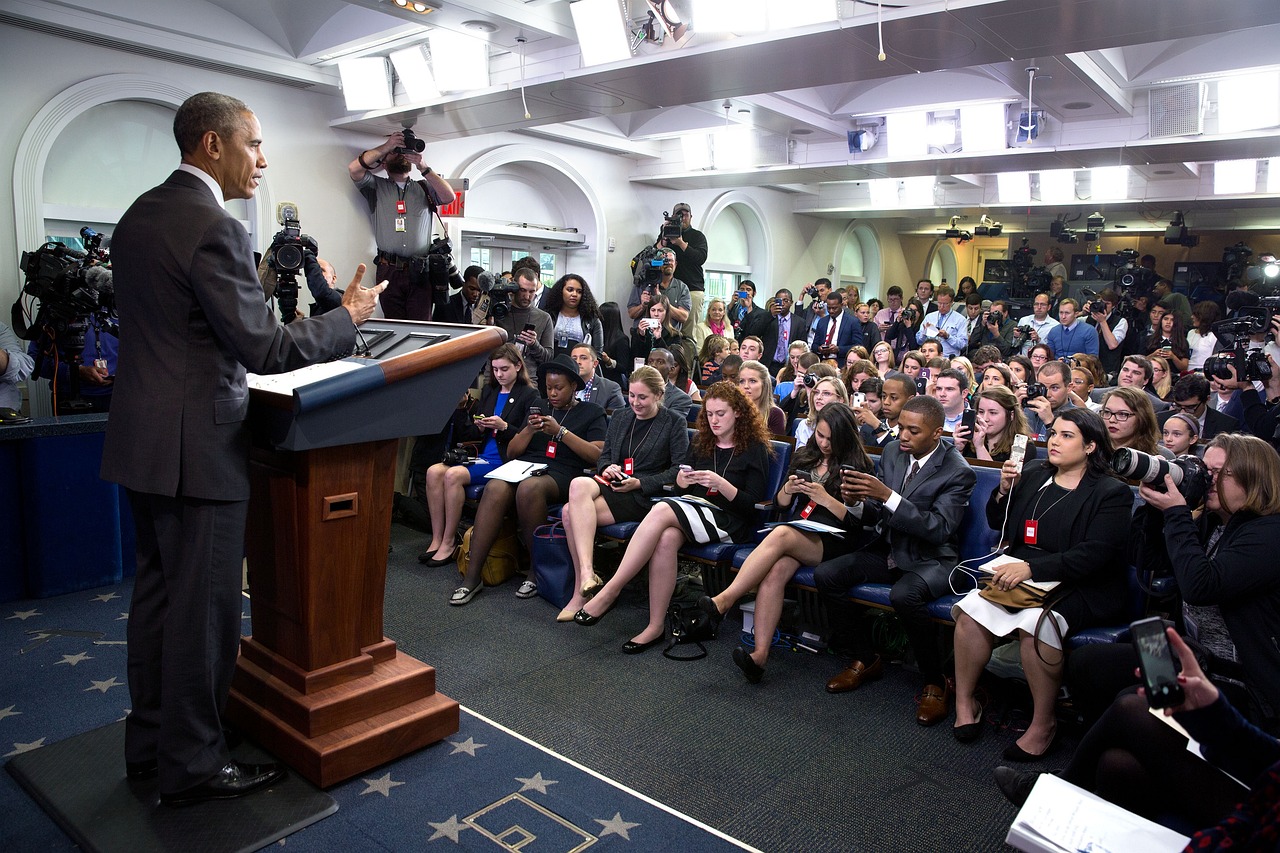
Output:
x=1095 y=306
x=1035 y=390
x=996 y=317
x=286 y=256
x=411 y=143
x=1189 y=472
x=909 y=315
x=809 y=380
x=457 y=456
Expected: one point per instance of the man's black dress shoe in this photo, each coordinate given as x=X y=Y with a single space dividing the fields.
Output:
x=138 y=770
x=1016 y=785
x=233 y=780
x=631 y=647
x=752 y=670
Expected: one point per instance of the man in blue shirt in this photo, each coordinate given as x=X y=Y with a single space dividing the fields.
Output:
x=951 y=328
x=1074 y=335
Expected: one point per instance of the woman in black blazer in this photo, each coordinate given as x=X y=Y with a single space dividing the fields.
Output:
x=503 y=409
x=1067 y=522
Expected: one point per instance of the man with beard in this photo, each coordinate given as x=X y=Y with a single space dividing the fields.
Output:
x=401 y=212
x=676 y=291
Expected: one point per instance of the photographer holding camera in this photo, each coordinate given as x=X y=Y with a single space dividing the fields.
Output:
x=402 y=211
x=995 y=329
x=646 y=291
x=1109 y=320
x=690 y=248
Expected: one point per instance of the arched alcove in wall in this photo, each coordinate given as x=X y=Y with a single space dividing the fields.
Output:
x=941 y=265
x=524 y=184
x=857 y=259
x=748 y=246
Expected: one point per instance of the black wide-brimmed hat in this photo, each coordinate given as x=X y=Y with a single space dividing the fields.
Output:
x=560 y=364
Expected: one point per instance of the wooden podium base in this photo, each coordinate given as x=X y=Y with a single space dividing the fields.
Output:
x=328 y=732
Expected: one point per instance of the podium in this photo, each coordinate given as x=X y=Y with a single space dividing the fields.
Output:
x=317 y=683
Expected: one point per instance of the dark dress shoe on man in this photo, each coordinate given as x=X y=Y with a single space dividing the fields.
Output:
x=631 y=647
x=139 y=770
x=933 y=705
x=1016 y=785
x=233 y=780
x=752 y=670
x=855 y=675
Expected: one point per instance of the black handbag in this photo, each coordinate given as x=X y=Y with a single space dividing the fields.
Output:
x=688 y=625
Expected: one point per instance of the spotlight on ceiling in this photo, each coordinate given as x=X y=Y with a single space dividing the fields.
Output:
x=1096 y=221
x=1066 y=235
x=416 y=6
x=951 y=232
x=987 y=227
x=861 y=140
x=1177 y=234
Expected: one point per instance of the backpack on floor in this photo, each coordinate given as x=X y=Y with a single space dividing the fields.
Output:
x=501 y=564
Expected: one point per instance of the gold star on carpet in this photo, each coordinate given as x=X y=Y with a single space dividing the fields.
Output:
x=72 y=660
x=105 y=597
x=19 y=748
x=382 y=785
x=535 y=783
x=615 y=826
x=24 y=615
x=103 y=686
x=447 y=829
x=469 y=746
x=9 y=712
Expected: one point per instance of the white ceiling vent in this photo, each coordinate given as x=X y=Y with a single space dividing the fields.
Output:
x=1178 y=110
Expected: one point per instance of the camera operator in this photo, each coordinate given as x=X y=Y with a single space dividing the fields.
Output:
x=676 y=291
x=1043 y=405
x=1112 y=327
x=528 y=327
x=401 y=212
x=96 y=374
x=321 y=278
x=690 y=249
x=1036 y=325
x=817 y=293
x=995 y=329
x=15 y=366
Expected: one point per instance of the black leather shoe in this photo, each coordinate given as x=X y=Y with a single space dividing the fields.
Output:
x=708 y=606
x=582 y=617
x=752 y=670
x=233 y=780
x=1016 y=785
x=138 y=770
x=1013 y=752
x=969 y=732
x=631 y=647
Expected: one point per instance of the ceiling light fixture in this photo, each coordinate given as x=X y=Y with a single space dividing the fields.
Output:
x=1235 y=177
x=459 y=62
x=987 y=227
x=602 y=31
x=366 y=83
x=415 y=6
x=1013 y=187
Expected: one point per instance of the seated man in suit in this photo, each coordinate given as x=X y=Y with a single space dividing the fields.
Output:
x=673 y=398
x=915 y=508
x=838 y=332
x=604 y=392
x=880 y=430
x=1191 y=397
x=458 y=308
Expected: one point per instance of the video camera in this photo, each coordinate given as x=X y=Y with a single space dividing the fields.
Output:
x=437 y=271
x=646 y=267
x=1130 y=279
x=74 y=289
x=287 y=256
x=1026 y=279
x=411 y=143
x=672 y=225
x=496 y=303
x=1233 y=338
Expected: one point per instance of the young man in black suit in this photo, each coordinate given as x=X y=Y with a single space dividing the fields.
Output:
x=1191 y=397
x=914 y=508
x=192 y=320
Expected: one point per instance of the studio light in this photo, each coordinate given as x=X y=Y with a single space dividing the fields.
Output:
x=982 y=128
x=987 y=227
x=1177 y=234
x=1095 y=222
x=906 y=131
x=1058 y=186
x=1235 y=177
x=366 y=83
x=861 y=141
x=415 y=74
x=415 y=6
x=1013 y=187
x=602 y=32
x=459 y=62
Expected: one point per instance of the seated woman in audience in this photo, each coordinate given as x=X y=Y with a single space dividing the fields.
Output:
x=1201 y=341
x=792 y=368
x=714 y=349
x=503 y=406
x=1138 y=762
x=1068 y=522
x=1180 y=434
x=912 y=363
x=1131 y=420
x=714 y=323
x=996 y=374
x=566 y=435
x=1169 y=341
x=966 y=286
x=796 y=402
x=1039 y=354
x=810 y=491
x=574 y=314
x=827 y=390
x=643 y=449
x=883 y=358
x=757 y=384
x=728 y=466
x=998 y=421
x=962 y=363
x=1021 y=368
x=656 y=331
x=858 y=370
x=1161 y=383
x=615 y=356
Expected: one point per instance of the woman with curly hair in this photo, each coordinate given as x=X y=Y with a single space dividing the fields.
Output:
x=725 y=474
x=1131 y=420
x=811 y=491
x=574 y=314
x=858 y=370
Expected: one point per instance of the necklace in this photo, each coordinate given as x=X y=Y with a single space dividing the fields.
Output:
x=631 y=449
x=715 y=459
x=1066 y=494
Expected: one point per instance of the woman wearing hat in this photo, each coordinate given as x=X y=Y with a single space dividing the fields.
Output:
x=561 y=432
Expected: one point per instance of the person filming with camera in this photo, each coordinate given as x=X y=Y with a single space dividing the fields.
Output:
x=401 y=211
x=690 y=248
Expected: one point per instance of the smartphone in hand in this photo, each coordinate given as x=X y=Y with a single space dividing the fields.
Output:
x=1155 y=659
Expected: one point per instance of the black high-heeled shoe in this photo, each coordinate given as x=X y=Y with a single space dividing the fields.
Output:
x=582 y=617
x=436 y=562
x=969 y=732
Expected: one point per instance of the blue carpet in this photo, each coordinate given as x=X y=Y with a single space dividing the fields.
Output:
x=62 y=672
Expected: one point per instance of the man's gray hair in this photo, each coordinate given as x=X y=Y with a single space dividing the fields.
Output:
x=204 y=112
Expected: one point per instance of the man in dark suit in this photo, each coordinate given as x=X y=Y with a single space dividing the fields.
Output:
x=1191 y=397
x=192 y=320
x=838 y=332
x=673 y=398
x=458 y=308
x=600 y=390
x=777 y=329
x=915 y=508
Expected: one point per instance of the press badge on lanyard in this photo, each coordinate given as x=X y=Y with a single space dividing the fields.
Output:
x=551 y=450
x=629 y=466
x=808 y=509
x=1030 y=531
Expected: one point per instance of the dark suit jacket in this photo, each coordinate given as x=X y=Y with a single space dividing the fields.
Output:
x=766 y=329
x=606 y=393
x=1215 y=422
x=455 y=311
x=192 y=320
x=849 y=335
x=922 y=533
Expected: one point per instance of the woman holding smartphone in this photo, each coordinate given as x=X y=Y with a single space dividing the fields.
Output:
x=561 y=432
x=726 y=473
x=811 y=492
x=655 y=331
x=642 y=453
x=1068 y=523
x=828 y=390
x=504 y=404
x=998 y=420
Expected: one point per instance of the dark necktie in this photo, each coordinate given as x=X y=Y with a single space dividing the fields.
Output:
x=915 y=469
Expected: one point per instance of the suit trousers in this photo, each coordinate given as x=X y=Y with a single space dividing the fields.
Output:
x=184 y=634
x=910 y=598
